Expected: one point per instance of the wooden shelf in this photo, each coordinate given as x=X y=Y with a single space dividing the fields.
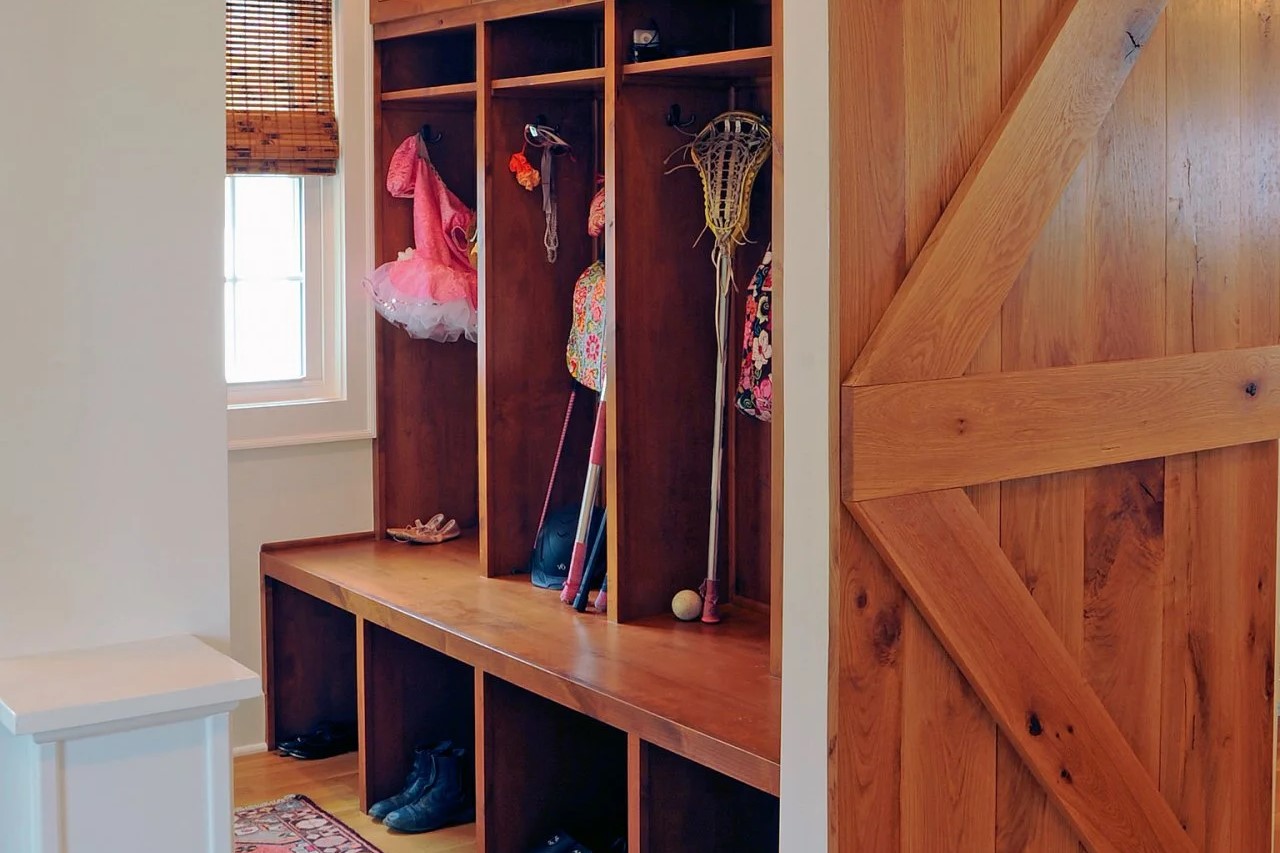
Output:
x=582 y=80
x=454 y=93
x=702 y=692
x=745 y=62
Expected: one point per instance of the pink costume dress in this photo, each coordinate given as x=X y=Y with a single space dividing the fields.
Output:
x=432 y=289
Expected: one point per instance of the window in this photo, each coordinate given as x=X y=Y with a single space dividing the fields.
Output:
x=267 y=301
x=298 y=327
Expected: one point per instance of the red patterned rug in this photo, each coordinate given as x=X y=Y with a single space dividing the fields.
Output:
x=295 y=825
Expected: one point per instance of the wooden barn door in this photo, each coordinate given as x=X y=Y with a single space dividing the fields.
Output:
x=1057 y=236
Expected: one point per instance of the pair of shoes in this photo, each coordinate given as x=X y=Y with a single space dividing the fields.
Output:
x=326 y=741
x=563 y=842
x=421 y=777
x=435 y=531
x=438 y=793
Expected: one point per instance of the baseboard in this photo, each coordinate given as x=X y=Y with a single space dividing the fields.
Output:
x=249 y=749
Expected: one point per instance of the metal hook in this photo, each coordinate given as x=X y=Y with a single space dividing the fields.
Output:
x=676 y=119
x=428 y=136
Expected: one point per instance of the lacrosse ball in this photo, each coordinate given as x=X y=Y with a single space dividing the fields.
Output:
x=687 y=605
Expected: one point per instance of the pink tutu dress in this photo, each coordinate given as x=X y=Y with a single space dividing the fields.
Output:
x=432 y=289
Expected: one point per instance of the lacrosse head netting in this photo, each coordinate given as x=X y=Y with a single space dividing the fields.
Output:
x=728 y=154
x=552 y=145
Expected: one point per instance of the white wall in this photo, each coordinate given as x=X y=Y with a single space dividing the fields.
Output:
x=112 y=432
x=279 y=494
x=810 y=408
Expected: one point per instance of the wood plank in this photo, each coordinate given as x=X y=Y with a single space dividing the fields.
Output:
x=922 y=436
x=948 y=739
x=955 y=290
x=955 y=572
x=699 y=691
x=399 y=18
x=462 y=93
x=548 y=769
x=1042 y=518
x=579 y=80
x=731 y=64
x=868 y=152
x=1220 y=506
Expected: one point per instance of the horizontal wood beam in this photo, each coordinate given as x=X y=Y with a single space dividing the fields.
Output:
x=951 y=565
x=961 y=278
x=924 y=436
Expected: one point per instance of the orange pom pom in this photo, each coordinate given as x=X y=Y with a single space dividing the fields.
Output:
x=527 y=176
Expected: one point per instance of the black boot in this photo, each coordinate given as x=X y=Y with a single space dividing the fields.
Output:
x=421 y=777
x=448 y=800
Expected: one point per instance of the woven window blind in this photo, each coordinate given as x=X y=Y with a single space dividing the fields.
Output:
x=280 y=114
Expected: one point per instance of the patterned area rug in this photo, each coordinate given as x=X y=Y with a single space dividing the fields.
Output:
x=294 y=825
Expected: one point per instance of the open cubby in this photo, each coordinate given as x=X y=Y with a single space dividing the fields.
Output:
x=445 y=57
x=662 y=418
x=595 y=724
x=548 y=43
x=683 y=807
x=309 y=656
x=548 y=769
x=428 y=437
x=410 y=695
x=526 y=310
x=690 y=28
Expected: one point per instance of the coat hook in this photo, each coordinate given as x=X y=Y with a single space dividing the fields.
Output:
x=676 y=119
x=430 y=138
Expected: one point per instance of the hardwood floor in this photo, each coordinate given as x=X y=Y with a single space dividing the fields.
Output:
x=332 y=785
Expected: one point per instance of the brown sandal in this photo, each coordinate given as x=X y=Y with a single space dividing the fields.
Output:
x=434 y=532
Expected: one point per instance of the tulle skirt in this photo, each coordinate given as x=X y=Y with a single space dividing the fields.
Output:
x=431 y=301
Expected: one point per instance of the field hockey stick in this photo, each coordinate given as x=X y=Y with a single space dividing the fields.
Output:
x=595 y=563
x=579 y=559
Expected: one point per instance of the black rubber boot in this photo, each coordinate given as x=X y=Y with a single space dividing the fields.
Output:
x=421 y=777
x=448 y=800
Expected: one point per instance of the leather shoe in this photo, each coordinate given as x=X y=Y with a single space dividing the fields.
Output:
x=421 y=777
x=448 y=800
x=326 y=741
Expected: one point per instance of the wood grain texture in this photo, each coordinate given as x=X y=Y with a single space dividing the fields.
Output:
x=1042 y=518
x=955 y=572
x=426 y=403
x=955 y=289
x=660 y=419
x=1220 y=506
x=700 y=691
x=923 y=436
x=686 y=808
x=526 y=311
x=409 y=696
x=866 y=605
x=948 y=739
x=309 y=665
x=547 y=768
x=399 y=18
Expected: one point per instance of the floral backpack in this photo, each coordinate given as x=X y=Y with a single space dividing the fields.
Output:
x=585 y=354
x=755 y=381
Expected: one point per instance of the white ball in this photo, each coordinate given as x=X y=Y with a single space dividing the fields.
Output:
x=687 y=605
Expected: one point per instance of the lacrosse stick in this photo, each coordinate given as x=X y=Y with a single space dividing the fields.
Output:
x=551 y=143
x=579 y=559
x=728 y=154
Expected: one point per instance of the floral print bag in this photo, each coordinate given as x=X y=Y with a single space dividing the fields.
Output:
x=585 y=354
x=755 y=382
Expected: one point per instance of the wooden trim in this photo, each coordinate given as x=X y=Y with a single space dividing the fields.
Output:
x=923 y=436
x=288 y=544
x=412 y=17
x=579 y=80
x=951 y=565
x=955 y=289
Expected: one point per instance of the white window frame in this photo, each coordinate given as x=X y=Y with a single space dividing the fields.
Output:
x=335 y=401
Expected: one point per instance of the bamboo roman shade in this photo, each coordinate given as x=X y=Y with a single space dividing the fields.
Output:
x=280 y=113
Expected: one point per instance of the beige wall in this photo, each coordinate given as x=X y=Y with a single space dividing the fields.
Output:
x=113 y=502
x=286 y=493
x=808 y=483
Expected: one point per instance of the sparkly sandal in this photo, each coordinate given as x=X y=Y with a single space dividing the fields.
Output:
x=435 y=531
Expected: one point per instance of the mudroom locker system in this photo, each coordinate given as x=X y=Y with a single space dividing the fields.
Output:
x=628 y=721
